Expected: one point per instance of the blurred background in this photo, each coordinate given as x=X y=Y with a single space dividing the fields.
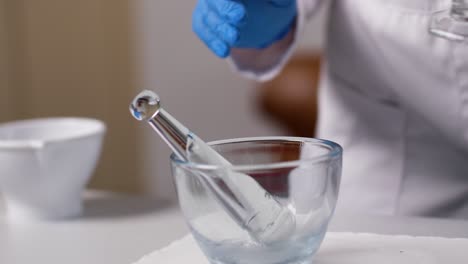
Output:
x=90 y=58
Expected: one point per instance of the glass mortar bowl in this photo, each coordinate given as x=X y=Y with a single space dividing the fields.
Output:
x=302 y=174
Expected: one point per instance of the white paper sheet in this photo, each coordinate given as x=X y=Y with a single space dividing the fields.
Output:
x=349 y=248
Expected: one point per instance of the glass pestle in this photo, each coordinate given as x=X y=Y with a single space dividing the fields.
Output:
x=245 y=201
x=452 y=23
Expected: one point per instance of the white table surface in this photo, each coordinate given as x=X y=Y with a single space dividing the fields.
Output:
x=121 y=229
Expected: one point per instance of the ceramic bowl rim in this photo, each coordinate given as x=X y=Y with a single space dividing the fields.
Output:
x=94 y=127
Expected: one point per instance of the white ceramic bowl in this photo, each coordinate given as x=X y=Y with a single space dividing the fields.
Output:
x=45 y=165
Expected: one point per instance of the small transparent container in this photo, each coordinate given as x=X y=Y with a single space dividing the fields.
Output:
x=302 y=174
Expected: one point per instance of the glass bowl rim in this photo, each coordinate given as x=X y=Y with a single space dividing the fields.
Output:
x=335 y=151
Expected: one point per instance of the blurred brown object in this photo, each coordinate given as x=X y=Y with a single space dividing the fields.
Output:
x=291 y=98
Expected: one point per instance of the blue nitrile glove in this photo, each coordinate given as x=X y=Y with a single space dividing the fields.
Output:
x=224 y=24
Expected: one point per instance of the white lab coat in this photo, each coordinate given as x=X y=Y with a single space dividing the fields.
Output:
x=395 y=97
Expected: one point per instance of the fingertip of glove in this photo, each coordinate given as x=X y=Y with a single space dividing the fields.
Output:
x=231 y=35
x=236 y=14
x=220 y=49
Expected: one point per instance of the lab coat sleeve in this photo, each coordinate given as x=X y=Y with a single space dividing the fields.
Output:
x=265 y=64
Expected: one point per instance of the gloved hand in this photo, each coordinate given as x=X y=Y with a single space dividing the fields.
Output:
x=224 y=24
